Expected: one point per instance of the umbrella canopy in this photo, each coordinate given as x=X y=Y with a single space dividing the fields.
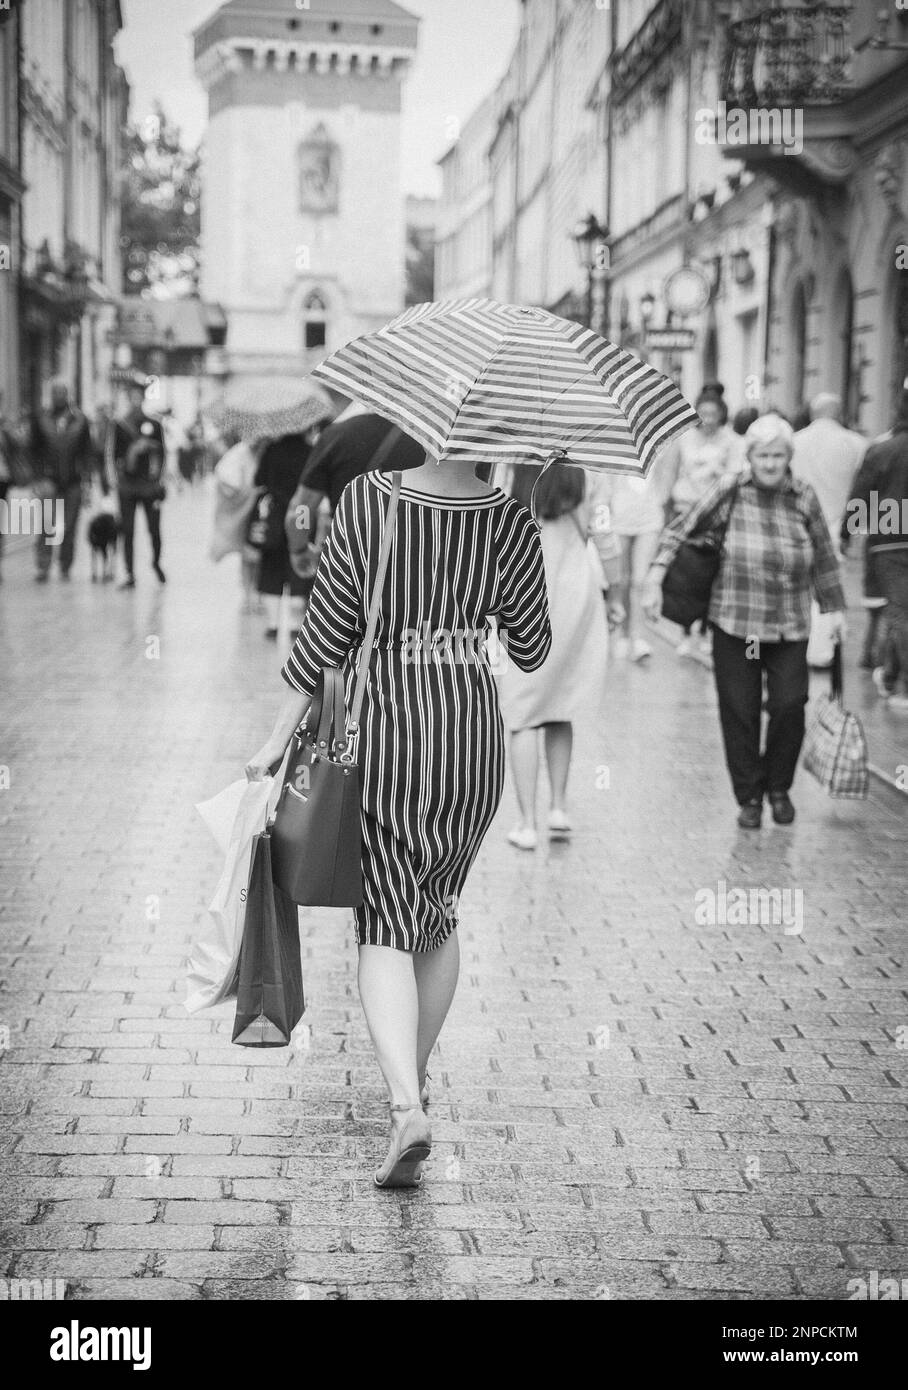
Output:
x=477 y=381
x=255 y=408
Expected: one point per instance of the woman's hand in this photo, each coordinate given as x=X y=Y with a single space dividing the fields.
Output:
x=837 y=628
x=651 y=600
x=615 y=612
x=260 y=764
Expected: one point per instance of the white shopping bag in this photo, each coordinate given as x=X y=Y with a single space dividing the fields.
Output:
x=821 y=646
x=234 y=817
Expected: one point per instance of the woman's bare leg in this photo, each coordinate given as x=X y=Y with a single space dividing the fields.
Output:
x=525 y=771
x=387 y=988
x=624 y=587
x=559 y=742
x=642 y=554
x=436 y=980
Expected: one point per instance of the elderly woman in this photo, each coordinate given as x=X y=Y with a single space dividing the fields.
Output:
x=775 y=550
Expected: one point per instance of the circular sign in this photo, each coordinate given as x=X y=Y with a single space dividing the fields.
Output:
x=686 y=291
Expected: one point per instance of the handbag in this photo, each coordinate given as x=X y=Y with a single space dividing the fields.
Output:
x=687 y=584
x=317 y=837
x=835 y=748
x=269 y=974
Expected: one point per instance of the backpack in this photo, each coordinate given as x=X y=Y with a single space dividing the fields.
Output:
x=306 y=525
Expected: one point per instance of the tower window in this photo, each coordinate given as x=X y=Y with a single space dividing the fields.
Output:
x=315 y=334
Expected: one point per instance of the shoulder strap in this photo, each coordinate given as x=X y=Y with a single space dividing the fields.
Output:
x=365 y=651
x=384 y=448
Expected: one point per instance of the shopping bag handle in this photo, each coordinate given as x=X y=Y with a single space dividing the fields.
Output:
x=835 y=673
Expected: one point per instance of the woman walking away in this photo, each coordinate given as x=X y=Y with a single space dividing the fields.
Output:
x=569 y=507
x=637 y=511
x=775 y=547
x=431 y=743
x=280 y=465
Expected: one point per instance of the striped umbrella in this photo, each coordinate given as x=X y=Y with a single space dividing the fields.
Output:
x=477 y=381
x=268 y=407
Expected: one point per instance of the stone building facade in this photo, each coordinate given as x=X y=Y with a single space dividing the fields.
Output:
x=73 y=101
x=795 y=263
x=303 y=223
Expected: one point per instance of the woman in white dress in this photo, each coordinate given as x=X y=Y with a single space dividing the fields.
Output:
x=571 y=509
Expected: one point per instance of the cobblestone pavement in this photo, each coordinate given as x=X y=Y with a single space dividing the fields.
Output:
x=629 y=1101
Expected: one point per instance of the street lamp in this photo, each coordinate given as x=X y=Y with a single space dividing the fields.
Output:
x=647 y=307
x=591 y=240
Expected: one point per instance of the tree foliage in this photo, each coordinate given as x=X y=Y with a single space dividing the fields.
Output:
x=160 y=221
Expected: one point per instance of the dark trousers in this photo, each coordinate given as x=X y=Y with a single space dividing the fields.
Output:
x=128 y=505
x=739 y=685
x=892 y=569
x=71 y=497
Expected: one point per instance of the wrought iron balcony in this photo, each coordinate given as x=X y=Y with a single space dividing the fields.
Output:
x=799 y=55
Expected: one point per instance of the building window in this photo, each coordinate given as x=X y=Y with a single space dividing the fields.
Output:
x=315 y=321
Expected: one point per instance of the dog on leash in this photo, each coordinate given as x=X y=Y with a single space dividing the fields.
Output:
x=103 y=533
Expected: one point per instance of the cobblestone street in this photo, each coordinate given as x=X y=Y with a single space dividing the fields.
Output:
x=629 y=1101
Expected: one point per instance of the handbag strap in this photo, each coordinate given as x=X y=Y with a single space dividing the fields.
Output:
x=326 y=713
x=365 y=651
x=835 y=673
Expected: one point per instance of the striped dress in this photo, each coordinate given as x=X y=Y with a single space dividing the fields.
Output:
x=431 y=742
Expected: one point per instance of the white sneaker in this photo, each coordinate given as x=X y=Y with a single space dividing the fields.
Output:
x=523 y=837
x=559 y=826
x=641 y=650
x=684 y=647
x=622 y=648
x=878 y=676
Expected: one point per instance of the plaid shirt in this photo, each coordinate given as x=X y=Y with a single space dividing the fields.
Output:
x=776 y=550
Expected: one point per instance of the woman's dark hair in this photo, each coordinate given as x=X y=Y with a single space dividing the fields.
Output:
x=744 y=419
x=714 y=391
x=562 y=489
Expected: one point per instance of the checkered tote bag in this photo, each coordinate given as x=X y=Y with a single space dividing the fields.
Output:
x=835 y=749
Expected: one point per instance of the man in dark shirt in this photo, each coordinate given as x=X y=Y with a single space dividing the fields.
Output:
x=879 y=507
x=61 y=457
x=138 y=453
x=347 y=448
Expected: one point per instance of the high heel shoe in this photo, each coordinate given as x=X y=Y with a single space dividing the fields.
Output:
x=410 y=1147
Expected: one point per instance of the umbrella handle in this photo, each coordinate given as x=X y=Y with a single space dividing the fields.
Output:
x=554 y=457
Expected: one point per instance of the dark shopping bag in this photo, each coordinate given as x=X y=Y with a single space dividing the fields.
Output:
x=835 y=749
x=688 y=582
x=270 y=999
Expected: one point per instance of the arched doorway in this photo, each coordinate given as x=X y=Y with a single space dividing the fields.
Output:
x=798 y=338
x=899 y=342
x=315 y=322
x=842 y=376
x=711 y=350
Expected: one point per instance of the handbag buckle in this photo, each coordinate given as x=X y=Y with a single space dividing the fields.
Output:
x=347 y=744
